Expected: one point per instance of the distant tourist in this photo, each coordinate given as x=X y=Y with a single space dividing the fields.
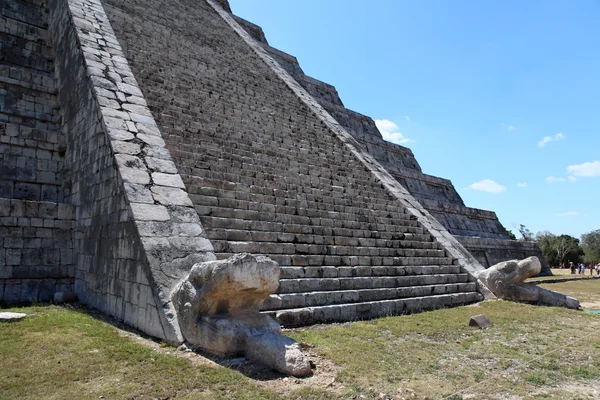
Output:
x=572 y=267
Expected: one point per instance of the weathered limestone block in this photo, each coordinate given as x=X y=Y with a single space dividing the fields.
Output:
x=217 y=304
x=505 y=280
x=480 y=321
x=11 y=316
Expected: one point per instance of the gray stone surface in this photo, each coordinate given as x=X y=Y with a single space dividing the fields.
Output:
x=506 y=279
x=493 y=251
x=480 y=321
x=100 y=199
x=130 y=250
x=36 y=248
x=11 y=316
x=218 y=307
x=437 y=195
x=293 y=188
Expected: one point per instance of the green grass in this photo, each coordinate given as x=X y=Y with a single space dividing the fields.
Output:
x=433 y=352
x=529 y=352
x=563 y=273
x=66 y=354
x=586 y=291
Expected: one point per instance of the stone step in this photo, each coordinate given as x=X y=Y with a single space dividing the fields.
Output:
x=209 y=158
x=345 y=247
x=335 y=271
x=313 y=299
x=217 y=207
x=290 y=205
x=356 y=311
x=336 y=216
x=201 y=185
x=375 y=231
x=353 y=283
x=326 y=237
x=336 y=193
x=320 y=260
x=339 y=221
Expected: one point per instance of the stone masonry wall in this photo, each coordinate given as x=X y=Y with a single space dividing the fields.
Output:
x=136 y=232
x=492 y=251
x=36 y=250
x=35 y=225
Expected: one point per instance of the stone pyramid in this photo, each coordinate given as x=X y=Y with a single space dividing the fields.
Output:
x=141 y=137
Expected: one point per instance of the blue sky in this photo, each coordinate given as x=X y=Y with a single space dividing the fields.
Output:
x=501 y=97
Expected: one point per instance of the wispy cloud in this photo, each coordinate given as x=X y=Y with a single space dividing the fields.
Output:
x=588 y=169
x=487 y=185
x=567 y=214
x=521 y=184
x=554 y=179
x=548 y=139
x=508 y=127
x=406 y=117
x=390 y=132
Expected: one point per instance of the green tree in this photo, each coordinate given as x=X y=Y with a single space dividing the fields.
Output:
x=511 y=235
x=568 y=250
x=547 y=242
x=559 y=250
x=590 y=242
x=526 y=234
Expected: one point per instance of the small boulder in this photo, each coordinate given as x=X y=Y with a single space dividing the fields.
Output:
x=481 y=321
x=11 y=316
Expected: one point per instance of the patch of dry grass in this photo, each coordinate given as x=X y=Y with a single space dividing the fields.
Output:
x=586 y=291
x=58 y=353
x=529 y=352
x=563 y=273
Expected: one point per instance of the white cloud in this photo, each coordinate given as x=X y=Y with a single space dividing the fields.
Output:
x=389 y=131
x=487 y=185
x=406 y=117
x=522 y=184
x=508 y=127
x=553 y=179
x=548 y=139
x=587 y=169
x=571 y=178
x=567 y=214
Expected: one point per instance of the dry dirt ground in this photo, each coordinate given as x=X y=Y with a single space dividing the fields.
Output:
x=324 y=371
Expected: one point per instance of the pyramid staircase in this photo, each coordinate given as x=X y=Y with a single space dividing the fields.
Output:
x=268 y=176
x=346 y=248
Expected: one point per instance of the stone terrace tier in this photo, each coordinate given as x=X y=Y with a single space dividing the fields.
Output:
x=267 y=176
x=36 y=249
x=30 y=156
